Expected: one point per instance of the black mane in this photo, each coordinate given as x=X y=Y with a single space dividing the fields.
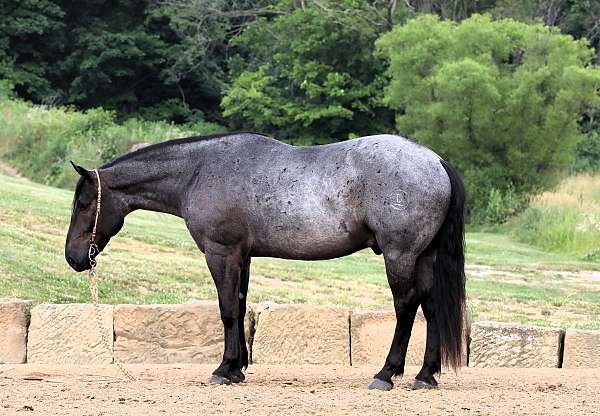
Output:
x=168 y=143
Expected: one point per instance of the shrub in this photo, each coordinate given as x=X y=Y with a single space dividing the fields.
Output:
x=40 y=141
x=308 y=73
x=500 y=99
x=501 y=206
x=587 y=153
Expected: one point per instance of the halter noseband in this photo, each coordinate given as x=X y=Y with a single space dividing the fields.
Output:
x=93 y=250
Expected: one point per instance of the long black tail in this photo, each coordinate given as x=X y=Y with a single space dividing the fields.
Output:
x=449 y=292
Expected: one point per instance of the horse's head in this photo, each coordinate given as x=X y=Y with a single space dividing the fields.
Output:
x=110 y=220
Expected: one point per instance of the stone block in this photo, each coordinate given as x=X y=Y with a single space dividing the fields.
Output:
x=496 y=344
x=161 y=334
x=14 y=321
x=582 y=349
x=69 y=334
x=302 y=334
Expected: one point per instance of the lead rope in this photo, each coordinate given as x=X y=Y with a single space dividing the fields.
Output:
x=92 y=252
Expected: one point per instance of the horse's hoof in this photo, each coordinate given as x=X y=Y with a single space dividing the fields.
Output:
x=422 y=385
x=218 y=380
x=377 y=384
x=237 y=377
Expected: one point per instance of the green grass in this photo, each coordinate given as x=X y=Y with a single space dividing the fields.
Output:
x=566 y=219
x=154 y=260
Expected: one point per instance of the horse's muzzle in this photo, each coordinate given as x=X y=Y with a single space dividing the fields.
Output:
x=78 y=263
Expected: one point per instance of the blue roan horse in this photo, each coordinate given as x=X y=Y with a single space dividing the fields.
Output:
x=245 y=195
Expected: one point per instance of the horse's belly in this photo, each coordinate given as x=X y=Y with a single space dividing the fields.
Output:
x=312 y=241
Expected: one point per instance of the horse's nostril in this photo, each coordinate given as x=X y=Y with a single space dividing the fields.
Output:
x=71 y=261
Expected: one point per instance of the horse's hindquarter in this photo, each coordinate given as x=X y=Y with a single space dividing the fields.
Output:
x=319 y=202
x=407 y=193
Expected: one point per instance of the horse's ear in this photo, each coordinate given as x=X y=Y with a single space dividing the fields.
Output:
x=82 y=171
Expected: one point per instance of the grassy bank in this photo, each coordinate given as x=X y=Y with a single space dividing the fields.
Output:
x=153 y=260
x=39 y=140
x=565 y=220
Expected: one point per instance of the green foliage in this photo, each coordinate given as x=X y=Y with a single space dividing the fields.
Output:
x=575 y=17
x=500 y=99
x=127 y=56
x=561 y=229
x=500 y=206
x=566 y=220
x=169 y=59
x=40 y=141
x=6 y=89
x=310 y=72
x=587 y=153
x=27 y=38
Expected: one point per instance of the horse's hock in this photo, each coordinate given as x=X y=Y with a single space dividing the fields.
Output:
x=277 y=334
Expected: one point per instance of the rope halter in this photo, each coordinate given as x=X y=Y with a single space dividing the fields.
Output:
x=93 y=249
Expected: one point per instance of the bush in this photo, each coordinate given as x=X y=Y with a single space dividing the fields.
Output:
x=587 y=153
x=6 y=89
x=501 y=206
x=500 y=99
x=40 y=141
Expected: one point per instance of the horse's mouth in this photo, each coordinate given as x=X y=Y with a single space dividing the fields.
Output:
x=77 y=266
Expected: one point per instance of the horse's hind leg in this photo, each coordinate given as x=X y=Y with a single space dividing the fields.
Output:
x=431 y=361
x=400 y=269
x=244 y=281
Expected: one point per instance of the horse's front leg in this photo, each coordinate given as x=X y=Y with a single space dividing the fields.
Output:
x=226 y=272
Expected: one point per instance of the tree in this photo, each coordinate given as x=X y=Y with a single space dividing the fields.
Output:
x=309 y=73
x=500 y=99
x=26 y=44
x=580 y=18
x=130 y=56
x=447 y=9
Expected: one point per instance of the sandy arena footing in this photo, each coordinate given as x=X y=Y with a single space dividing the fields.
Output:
x=287 y=390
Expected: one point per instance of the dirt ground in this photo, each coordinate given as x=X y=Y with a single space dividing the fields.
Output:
x=279 y=390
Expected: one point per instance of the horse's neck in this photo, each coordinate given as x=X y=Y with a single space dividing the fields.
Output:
x=149 y=185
